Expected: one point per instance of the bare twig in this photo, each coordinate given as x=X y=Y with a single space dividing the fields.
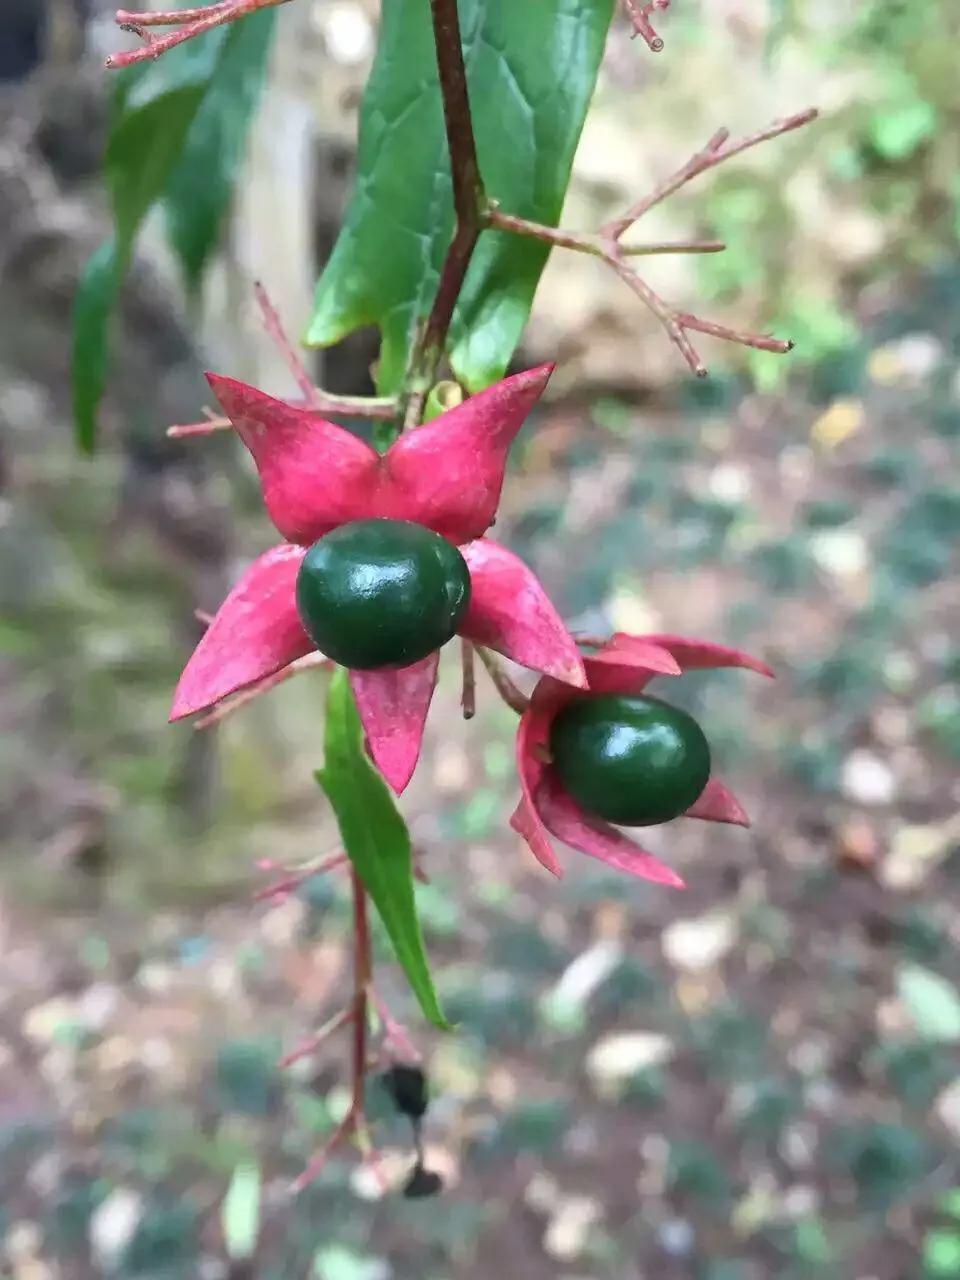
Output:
x=639 y=15
x=507 y=690
x=313 y=1043
x=189 y=23
x=274 y=327
x=397 y=1042
x=310 y=662
x=468 y=698
x=606 y=243
x=468 y=200
x=354 y=1123
x=717 y=150
x=312 y=396
x=292 y=880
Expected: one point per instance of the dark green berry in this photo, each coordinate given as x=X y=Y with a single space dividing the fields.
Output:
x=382 y=593
x=631 y=760
x=407 y=1086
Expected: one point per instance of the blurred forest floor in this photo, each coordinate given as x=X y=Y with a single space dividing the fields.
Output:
x=757 y=1078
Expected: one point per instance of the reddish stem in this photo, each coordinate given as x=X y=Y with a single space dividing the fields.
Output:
x=468 y=201
x=468 y=698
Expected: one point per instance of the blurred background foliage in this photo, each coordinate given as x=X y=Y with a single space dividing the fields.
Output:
x=758 y=1078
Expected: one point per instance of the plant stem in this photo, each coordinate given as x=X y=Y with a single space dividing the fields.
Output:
x=362 y=976
x=469 y=202
x=468 y=698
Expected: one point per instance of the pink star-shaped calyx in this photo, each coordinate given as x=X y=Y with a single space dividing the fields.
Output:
x=625 y=664
x=315 y=476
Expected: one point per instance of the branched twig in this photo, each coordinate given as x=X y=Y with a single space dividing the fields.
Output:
x=639 y=15
x=606 y=243
x=189 y=23
x=469 y=204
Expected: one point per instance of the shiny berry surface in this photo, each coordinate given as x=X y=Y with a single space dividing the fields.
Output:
x=635 y=761
x=381 y=593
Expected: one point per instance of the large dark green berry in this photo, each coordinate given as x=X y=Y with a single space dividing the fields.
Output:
x=631 y=760
x=381 y=593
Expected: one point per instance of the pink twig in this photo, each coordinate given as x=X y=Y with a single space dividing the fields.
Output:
x=397 y=1043
x=639 y=15
x=310 y=662
x=292 y=881
x=606 y=244
x=717 y=150
x=313 y=1043
x=189 y=23
x=275 y=329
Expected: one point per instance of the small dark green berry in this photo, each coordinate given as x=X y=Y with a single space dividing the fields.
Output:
x=407 y=1086
x=630 y=760
x=382 y=593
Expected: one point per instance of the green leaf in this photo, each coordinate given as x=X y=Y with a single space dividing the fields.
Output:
x=240 y=1215
x=941 y=1255
x=154 y=108
x=531 y=69
x=96 y=295
x=200 y=188
x=375 y=838
x=933 y=1002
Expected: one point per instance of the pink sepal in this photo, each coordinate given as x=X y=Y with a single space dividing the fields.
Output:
x=533 y=737
x=627 y=669
x=563 y=817
x=717 y=803
x=256 y=632
x=450 y=472
x=393 y=707
x=695 y=655
x=509 y=611
x=314 y=474
x=447 y=475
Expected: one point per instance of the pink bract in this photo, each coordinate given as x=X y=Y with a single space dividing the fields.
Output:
x=315 y=476
x=625 y=664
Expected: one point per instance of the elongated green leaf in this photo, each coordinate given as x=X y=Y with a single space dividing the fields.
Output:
x=154 y=108
x=532 y=65
x=375 y=838
x=200 y=188
x=94 y=301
